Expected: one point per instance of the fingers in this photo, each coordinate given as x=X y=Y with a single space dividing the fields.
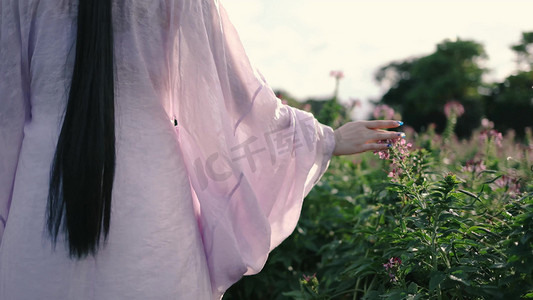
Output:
x=374 y=147
x=382 y=124
x=388 y=135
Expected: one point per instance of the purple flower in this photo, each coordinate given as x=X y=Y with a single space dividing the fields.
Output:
x=392 y=266
x=454 y=108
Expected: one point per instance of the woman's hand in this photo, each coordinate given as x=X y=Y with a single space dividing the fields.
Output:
x=360 y=136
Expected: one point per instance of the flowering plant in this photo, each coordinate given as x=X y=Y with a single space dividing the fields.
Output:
x=434 y=218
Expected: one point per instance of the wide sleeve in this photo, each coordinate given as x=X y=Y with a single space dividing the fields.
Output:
x=14 y=106
x=251 y=159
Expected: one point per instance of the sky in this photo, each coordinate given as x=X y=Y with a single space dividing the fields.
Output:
x=296 y=43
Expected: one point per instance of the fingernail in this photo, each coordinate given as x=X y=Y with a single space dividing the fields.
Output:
x=401 y=134
x=389 y=145
x=400 y=123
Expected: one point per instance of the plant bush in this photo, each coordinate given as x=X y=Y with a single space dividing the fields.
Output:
x=434 y=218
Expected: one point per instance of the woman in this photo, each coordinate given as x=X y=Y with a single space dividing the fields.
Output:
x=141 y=157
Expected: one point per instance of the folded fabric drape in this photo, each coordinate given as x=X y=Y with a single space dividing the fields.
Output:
x=251 y=159
x=217 y=195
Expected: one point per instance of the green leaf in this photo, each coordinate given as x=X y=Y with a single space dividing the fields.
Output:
x=436 y=279
x=455 y=278
x=413 y=287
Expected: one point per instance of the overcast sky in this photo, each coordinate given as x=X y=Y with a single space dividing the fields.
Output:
x=296 y=43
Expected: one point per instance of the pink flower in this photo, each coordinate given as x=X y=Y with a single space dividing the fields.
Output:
x=487 y=124
x=400 y=145
x=392 y=267
x=307 y=107
x=511 y=184
x=403 y=147
x=384 y=154
x=337 y=74
x=308 y=278
x=474 y=166
x=383 y=111
x=454 y=108
x=493 y=135
x=398 y=152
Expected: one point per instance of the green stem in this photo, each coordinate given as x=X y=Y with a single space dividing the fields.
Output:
x=336 y=92
x=434 y=246
x=345 y=292
x=359 y=279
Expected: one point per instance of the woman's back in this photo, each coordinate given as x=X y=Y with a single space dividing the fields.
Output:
x=153 y=235
x=249 y=159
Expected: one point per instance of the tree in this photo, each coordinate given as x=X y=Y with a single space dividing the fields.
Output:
x=420 y=87
x=524 y=52
x=510 y=103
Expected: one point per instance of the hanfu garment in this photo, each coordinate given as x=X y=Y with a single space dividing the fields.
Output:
x=195 y=206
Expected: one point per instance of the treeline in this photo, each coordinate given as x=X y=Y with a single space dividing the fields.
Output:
x=419 y=87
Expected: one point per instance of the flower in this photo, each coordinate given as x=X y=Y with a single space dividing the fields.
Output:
x=487 y=124
x=399 y=145
x=392 y=266
x=403 y=147
x=493 y=135
x=308 y=278
x=474 y=166
x=511 y=184
x=383 y=111
x=383 y=154
x=398 y=151
x=311 y=282
x=337 y=74
x=454 y=108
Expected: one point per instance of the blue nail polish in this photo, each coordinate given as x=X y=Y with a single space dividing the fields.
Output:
x=389 y=145
x=400 y=122
x=401 y=134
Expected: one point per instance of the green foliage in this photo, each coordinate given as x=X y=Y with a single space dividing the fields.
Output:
x=443 y=219
x=331 y=112
x=419 y=87
x=447 y=219
x=524 y=50
x=510 y=103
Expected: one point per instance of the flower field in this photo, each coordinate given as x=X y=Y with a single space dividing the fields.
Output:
x=434 y=217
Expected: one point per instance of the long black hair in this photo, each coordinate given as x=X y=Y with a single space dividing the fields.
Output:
x=83 y=168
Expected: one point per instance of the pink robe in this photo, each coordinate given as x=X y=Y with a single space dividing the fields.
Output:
x=195 y=207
